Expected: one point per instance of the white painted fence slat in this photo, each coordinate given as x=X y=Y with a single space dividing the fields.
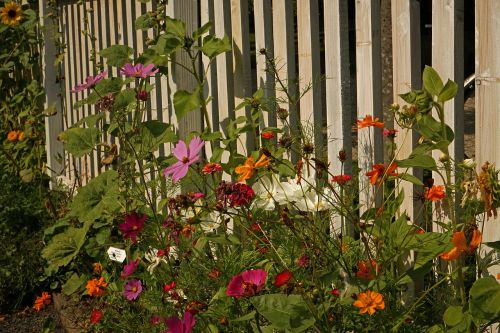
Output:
x=406 y=75
x=369 y=94
x=488 y=99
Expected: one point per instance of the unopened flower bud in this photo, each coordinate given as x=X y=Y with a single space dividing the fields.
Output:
x=342 y=156
x=444 y=157
x=469 y=163
x=282 y=114
x=142 y=95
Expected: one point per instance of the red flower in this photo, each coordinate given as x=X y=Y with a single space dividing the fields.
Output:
x=195 y=306
x=335 y=292
x=247 y=283
x=435 y=193
x=255 y=227
x=390 y=133
x=214 y=274
x=379 y=171
x=169 y=287
x=283 y=278
x=369 y=121
x=367 y=269
x=303 y=261
x=95 y=316
x=341 y=179
x=133 y=225
x=234 y=194
x=267 y=135
x=210 y=168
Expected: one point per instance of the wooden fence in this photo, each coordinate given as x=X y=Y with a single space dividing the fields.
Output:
x=310 y=41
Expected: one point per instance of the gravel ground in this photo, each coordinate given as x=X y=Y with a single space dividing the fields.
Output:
x=29 y=321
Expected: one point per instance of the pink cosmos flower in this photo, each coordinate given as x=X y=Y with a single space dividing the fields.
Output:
x=90 y=82
x=185 y=157
x=175 y=325
x=247 y=283
x=129 y=269
x=132 y=289
x=134 y=223
x=139 y=70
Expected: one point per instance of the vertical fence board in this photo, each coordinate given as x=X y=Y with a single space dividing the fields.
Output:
x=310 y=71
x=488 y=98
x=448 y=61
x=338 y=111
x=53 y=124
x=264 y=41
x=67 y=84
x=241 y=65
x=369 y=93
x=406 y=75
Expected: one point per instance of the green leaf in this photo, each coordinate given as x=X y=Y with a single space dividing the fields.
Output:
x=418 y=161
x=286 y=169
x=213 y=46
x=202 y=30
x=175 y=27
x=99 y=199
x=285 y=312
x=494 y=245
x=412 y=179
x=124 y=99
x=449 y=91
x=117 y=55
x=65 y=246
x=428 y=246
x=184 y=102
x=144 y=22
x=74 y=283
x=248 y=316
x=432 y=82
x=153 y=134
x=484 y=301
x=431 y=129
x=453 y=315
x=167 y=44
x=80 y=141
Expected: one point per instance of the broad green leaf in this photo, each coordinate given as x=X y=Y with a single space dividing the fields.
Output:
x=431 y=129
x=99 y=199
x=484 y=301
x=202 y=30
x=144 y=22
x=453 y=315
x=248 y=316
x=494 y=245
x=286 y=168
x=175 y=27
x=80 y=141
x=153 y=133
x=74 y=283
x=167 y=44
x=184 y=102
x=418 y=161
x=410 y=178
x=428 y=246
x=431 y=81
x=124 y=99
x=285 y=312
x=117 y=55
x=213 y=46
x=449 y=91
x=63 y=247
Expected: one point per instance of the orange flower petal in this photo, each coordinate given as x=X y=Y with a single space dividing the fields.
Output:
x=459 y=240
x=476 y=240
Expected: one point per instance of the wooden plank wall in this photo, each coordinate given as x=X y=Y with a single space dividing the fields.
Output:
x=289 y=30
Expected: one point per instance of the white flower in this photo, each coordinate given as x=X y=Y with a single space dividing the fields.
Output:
x=266 y=194
x=154 y=259
x=313 y=201
x=212 y=221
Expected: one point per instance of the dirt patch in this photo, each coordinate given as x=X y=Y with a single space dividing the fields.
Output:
x=29 y=321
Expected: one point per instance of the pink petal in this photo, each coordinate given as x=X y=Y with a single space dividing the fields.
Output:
x=180 y=172
x=180 y=151
x=189 y=321
x=174 y=325
x=195 y=146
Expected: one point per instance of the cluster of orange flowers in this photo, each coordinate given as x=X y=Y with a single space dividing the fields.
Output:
x=42 y=301
x=15 y=135
x=96 y=287
x=247 y=169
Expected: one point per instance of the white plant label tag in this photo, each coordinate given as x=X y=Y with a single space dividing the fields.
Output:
x=115 y=254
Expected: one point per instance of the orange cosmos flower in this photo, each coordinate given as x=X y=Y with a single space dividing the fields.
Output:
x=458 y=239
x=369 y=301
x=435 y=193
x=42 y=301
x=378 y=171
x=12 y=136
x=246 y=170
x=21 y=136
x=95 y=287
x=369 y=121
x=367 y=269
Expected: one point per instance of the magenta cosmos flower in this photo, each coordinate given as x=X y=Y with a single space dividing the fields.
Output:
x=247 y=283
x=134 y=224
x=132 y=289
x=139 y=70
x=90 y=82
x=129 y=269
x=185 y=157
x=176 y=325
